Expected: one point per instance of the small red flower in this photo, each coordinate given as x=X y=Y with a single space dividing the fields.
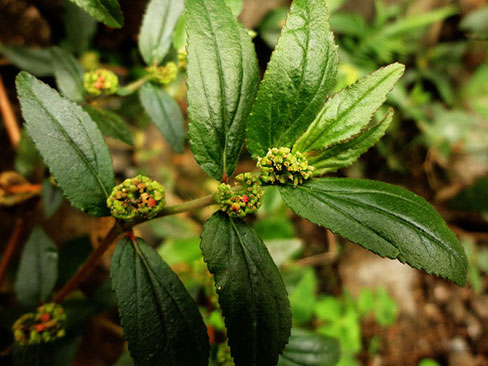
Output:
x=40 y=328
x=151 y=202
x=245 y=198
x=45 y=317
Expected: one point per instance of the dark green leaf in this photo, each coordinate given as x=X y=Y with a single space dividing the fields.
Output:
x=301 y=72
x=111 y=124
x=70 y=143
x=165 y=114
x=34 y=60
x=38 y=269
x=105 y=11
x=345 y=153
x=348 y=112
x=310 y=349
x=222 y=82
x=68 y=73
x=383 y=218
x=252 y=295
x=80 y=28
x=161 y=321
x=52 y=198
x=157 y=29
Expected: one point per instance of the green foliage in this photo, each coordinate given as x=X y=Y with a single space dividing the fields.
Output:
x=221 y=85
x=70 y=143
x=110 y=124
x=34 y=60
x=307 y=348
x=80 y=28
x=348 y=112
x=38 y=269
x=302 y=297
x=52 y=198
x=251 y=292
x=383 y=218
x=301 y=72
x=166 y=327
x=157 y=29
x=68 y=73
x=474 y=198
x=165 y=114
x=105 y=11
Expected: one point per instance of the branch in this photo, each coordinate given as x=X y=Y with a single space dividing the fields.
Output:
x=10 y=249
x=8 y=115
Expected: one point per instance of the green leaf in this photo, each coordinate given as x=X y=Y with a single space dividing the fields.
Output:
x=222 y=81
x=165 y=114
x=161 y=321
x=105 y=11
x=301 y=72
x=52 y=198
x=111 y=124
x=34 y=60
x=271 y=26
x=345 y=153
x=383 y=218
x=474 y=198
x=68 y=73
x=349 y=111
x=38 y=269
x=179 y=34
x=302 y=297
x=27 y=159
x=70 y=143
x=80 y=28
x=157 y=29
x=235 y=5
x=306 y=348
x=252 y=295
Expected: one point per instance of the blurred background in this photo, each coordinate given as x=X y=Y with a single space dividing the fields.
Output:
x=384 y=313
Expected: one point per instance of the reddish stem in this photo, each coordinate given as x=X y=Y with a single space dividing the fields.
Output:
x=89 y=264
x=10 y=249
x=9 y=119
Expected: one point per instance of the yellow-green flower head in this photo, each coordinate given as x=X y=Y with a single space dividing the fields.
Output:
x=45 y=325
x=162 y=75
x=281 y=166
x=182 y=59
x=101 y=81
x=136 y=198
x=242 y=201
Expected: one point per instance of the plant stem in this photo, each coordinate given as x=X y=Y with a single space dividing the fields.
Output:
x=11 y=124
x=90 y=263
x=10 y=249
x=115 y=232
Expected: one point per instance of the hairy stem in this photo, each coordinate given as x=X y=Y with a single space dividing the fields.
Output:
x=117 y=230
x=10 y=248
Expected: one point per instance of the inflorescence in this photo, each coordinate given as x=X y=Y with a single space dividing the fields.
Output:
x=45 y=325
x=162 y=75
x=280 y=165
x=241 y=202
x=139 y=197
x=101 y=81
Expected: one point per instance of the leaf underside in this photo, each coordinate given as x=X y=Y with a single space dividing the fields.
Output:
x=105 y=11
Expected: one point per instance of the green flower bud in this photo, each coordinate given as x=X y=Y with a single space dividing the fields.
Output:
x=182 y=59
x=45 y=325
x=139 y=197
x=101 y=81
x=162 y=75
x=281 y=166
x=243 y=201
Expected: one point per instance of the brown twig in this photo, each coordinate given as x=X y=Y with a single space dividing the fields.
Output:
x=8 y=115
x=10 y=249
x=90 y=263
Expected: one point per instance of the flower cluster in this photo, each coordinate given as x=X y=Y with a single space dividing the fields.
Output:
x=162 y=75
x=101 y=81
x=138 y=197
x=280 y=165
x=45 y=325
x=242 y=201
x=182 y=59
